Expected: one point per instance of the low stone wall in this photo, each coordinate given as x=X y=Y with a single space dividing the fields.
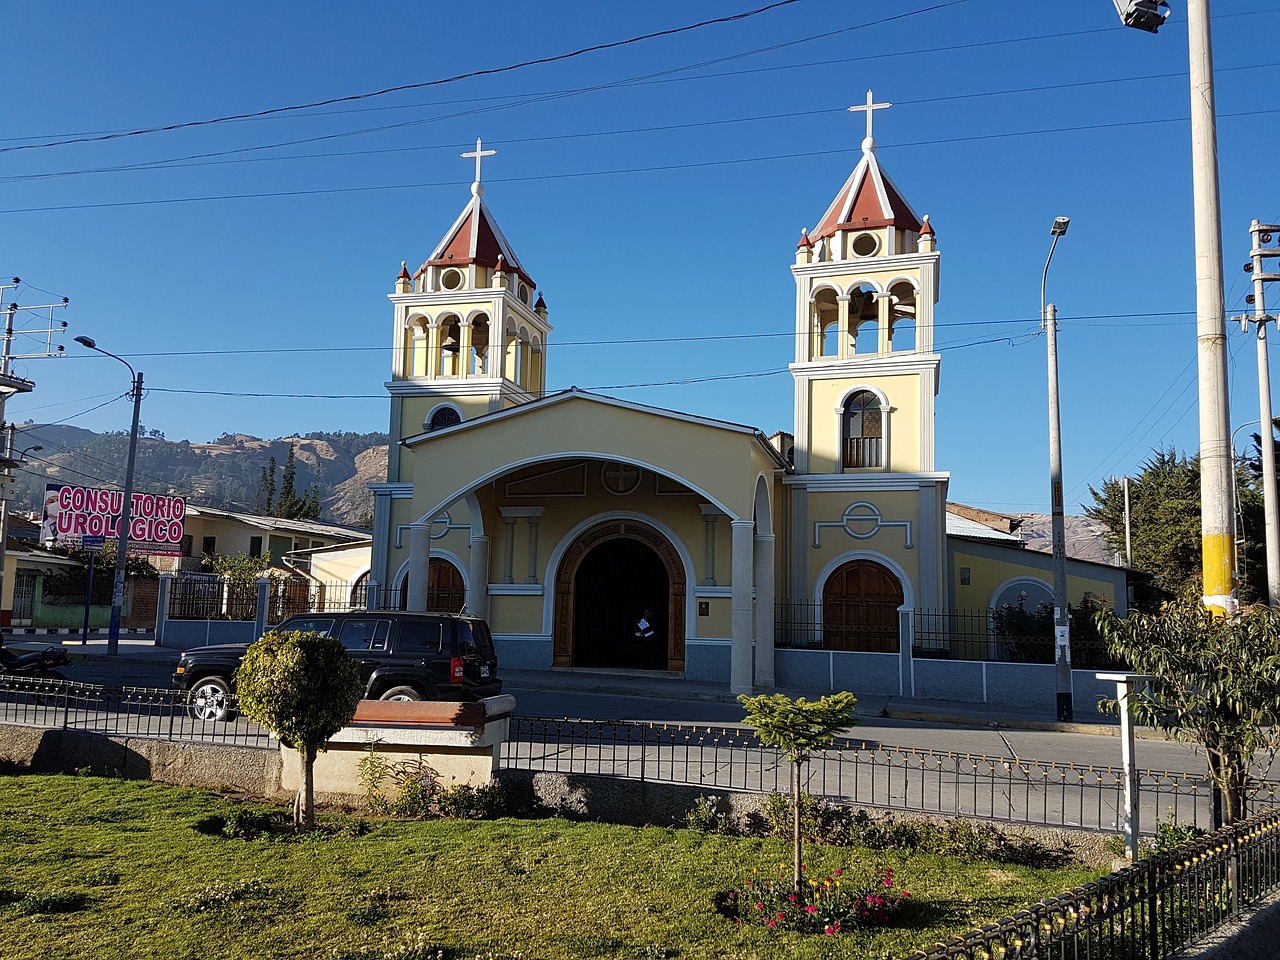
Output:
x=206 y=765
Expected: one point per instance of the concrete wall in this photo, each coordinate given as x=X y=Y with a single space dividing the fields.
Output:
x=209 y=766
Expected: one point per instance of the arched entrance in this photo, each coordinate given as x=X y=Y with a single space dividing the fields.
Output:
x=607 y=579
x=446 y=590
x=860 y=602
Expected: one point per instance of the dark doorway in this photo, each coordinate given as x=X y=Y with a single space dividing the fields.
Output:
x=445 y=588
x=618 y=581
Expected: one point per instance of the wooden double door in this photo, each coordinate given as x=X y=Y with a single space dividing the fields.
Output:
x=860 y=604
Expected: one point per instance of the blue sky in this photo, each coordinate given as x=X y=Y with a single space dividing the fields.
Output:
x=655 y=192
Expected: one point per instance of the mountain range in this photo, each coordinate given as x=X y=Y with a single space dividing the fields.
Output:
x=226 y=473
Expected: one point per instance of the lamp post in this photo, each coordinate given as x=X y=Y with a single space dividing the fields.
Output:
x=126 y=512
x=1061 y=623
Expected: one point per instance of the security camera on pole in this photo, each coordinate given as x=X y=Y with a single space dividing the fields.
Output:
x=126 y=511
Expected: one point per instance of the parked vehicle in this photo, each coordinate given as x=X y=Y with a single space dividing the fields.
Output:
x=402 y=656
x=37 y=663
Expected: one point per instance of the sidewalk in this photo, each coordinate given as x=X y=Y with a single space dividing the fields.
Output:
x=140 y=659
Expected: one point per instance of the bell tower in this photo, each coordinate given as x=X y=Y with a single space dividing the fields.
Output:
x=470 y=326
x=865 y=494
x=865 y=372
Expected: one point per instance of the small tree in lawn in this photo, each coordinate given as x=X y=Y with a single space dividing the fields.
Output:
x=1217 y=684
x=304 y=688
x=798 y=727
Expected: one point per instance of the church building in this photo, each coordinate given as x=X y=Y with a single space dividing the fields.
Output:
x=603 y=534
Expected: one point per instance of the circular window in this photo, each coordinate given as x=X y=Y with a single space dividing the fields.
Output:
x=524 y=293
x=865 y=245
x=451 y=279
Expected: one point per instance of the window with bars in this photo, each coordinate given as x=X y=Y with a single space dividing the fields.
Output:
x=863 y=430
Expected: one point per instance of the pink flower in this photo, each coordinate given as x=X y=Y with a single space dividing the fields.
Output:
x=759 y=906
x=791 y=899
x=771 y=924
x=811 y=909
x=839 y=873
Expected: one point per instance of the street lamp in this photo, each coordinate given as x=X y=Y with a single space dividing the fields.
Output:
x=122 y=544
x=1061 y=619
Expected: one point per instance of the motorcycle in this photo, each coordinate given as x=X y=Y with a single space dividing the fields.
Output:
x=37 y=663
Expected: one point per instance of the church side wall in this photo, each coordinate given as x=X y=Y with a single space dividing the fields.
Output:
x=991 y=565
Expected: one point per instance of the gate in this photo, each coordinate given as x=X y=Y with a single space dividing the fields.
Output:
x=24 y=595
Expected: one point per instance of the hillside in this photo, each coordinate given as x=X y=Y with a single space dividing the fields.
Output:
x=225 y=473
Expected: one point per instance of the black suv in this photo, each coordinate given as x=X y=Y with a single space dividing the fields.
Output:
x=402 y=656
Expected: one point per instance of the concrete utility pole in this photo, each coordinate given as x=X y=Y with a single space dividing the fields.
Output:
x=1261 y=236
x=1217 y=467
x=1061 y=602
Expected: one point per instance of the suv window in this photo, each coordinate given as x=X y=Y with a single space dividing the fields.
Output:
x=359 y=635
x=421 y=636
x=466 y=642
x=323 y=627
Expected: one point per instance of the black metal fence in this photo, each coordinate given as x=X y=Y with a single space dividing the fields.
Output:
x=206 y=596
x=119 y=712
x=1148 y=911
x=864 y=773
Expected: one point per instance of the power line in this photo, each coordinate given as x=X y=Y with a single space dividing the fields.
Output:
x=426 y=83
x=627 y=171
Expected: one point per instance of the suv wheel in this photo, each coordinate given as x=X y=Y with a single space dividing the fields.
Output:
x=401 y=693
x=208 y=700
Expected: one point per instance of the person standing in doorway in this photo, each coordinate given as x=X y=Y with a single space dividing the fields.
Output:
x=644 y=637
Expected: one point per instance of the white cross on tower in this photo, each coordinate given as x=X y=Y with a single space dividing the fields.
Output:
x=869 y=107
x=478 y=153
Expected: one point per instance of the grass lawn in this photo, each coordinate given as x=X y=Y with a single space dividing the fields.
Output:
x=100 y=868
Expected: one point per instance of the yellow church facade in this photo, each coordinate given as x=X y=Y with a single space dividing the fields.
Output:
x=600 y=534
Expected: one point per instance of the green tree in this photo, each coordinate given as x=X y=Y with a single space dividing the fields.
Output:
x=1164 y=520
x=304 y=688
x=266 y=502
x=799 y=727
x=1217 y=683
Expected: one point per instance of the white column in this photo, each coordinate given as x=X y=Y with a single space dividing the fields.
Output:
x=419 y=560
x=742 y=622
x=533 y=522
x=709 y=516
x=764 y=611
x=478 y=595
x=509 y=550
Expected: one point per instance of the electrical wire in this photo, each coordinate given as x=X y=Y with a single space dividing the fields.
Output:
x=491 y=71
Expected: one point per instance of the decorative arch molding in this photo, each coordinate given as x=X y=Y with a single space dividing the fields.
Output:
x=913 y=282
x=419 y=321
x=477 y=313
x=870 y=388
x=763 y=512
x=908 y=589
x=569 y=556
x=474 y=517
x=1018 y=581
x=857 y=285
x=565 y=455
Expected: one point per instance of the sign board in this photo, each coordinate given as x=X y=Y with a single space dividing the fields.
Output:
x=81 y=516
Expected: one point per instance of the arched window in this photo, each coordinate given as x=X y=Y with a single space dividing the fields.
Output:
x=443 y=417
x=863 y=430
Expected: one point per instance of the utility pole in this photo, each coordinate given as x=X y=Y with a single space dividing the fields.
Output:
x=1260 y=234
x=11 y=384
x=1217 y=463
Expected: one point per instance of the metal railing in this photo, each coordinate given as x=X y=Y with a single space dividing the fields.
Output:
x=120 y=712
x=1150 y=910
x=863 y=773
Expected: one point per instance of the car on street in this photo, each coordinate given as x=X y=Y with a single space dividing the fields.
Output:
x=401 y=656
